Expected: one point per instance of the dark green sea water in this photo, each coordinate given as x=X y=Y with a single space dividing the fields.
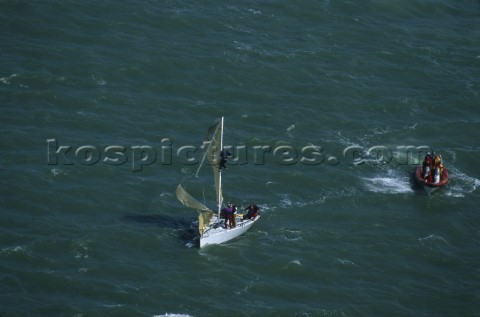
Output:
x=96 y=231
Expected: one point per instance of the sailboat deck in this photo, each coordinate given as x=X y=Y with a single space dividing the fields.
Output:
x=217 y=233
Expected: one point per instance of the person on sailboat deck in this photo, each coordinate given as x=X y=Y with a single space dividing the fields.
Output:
x=223 y=158
x=252 y=211
x=228 y=213
x=234 y=215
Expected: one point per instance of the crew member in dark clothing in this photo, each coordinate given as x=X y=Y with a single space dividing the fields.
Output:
x=223 y=158
x=228 y=213
x=252 y=211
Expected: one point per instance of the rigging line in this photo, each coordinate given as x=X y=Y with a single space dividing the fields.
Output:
x=207 y=150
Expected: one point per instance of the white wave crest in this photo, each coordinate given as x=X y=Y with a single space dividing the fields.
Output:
x=172 y=315
x=7 y=80
x=432 y=237
x=346 y=262
x=15 y=249
x=296 y=261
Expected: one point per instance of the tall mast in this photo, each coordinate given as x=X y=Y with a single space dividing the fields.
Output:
x=220 y=194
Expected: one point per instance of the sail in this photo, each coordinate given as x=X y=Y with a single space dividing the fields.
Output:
x=213 y=156
x=187 y=200
x=213 y=147
x=204 y=220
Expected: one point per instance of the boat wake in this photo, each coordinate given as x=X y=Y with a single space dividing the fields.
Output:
x=392 y=183
x=461 y=184
x=388 y=185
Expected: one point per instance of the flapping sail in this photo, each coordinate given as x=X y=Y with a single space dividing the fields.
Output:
x=213 y=156
x=205 y=214
x=212 y=147
x=204 y=220
x=187 y=200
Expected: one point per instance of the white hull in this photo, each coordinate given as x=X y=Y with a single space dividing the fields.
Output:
x=216 y=232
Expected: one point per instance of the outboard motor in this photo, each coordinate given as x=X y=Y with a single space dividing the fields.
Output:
x=436 y=178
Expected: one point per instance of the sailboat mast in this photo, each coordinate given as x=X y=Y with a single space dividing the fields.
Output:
x=220 y=194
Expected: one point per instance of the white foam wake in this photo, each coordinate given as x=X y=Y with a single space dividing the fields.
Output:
x=460 y=183
x=388 y=185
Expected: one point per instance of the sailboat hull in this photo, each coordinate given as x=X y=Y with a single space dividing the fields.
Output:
x=217 y=234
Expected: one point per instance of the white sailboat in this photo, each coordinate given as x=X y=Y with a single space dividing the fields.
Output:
x=211 y=228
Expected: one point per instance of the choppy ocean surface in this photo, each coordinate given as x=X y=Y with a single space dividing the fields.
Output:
x=101 y=102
